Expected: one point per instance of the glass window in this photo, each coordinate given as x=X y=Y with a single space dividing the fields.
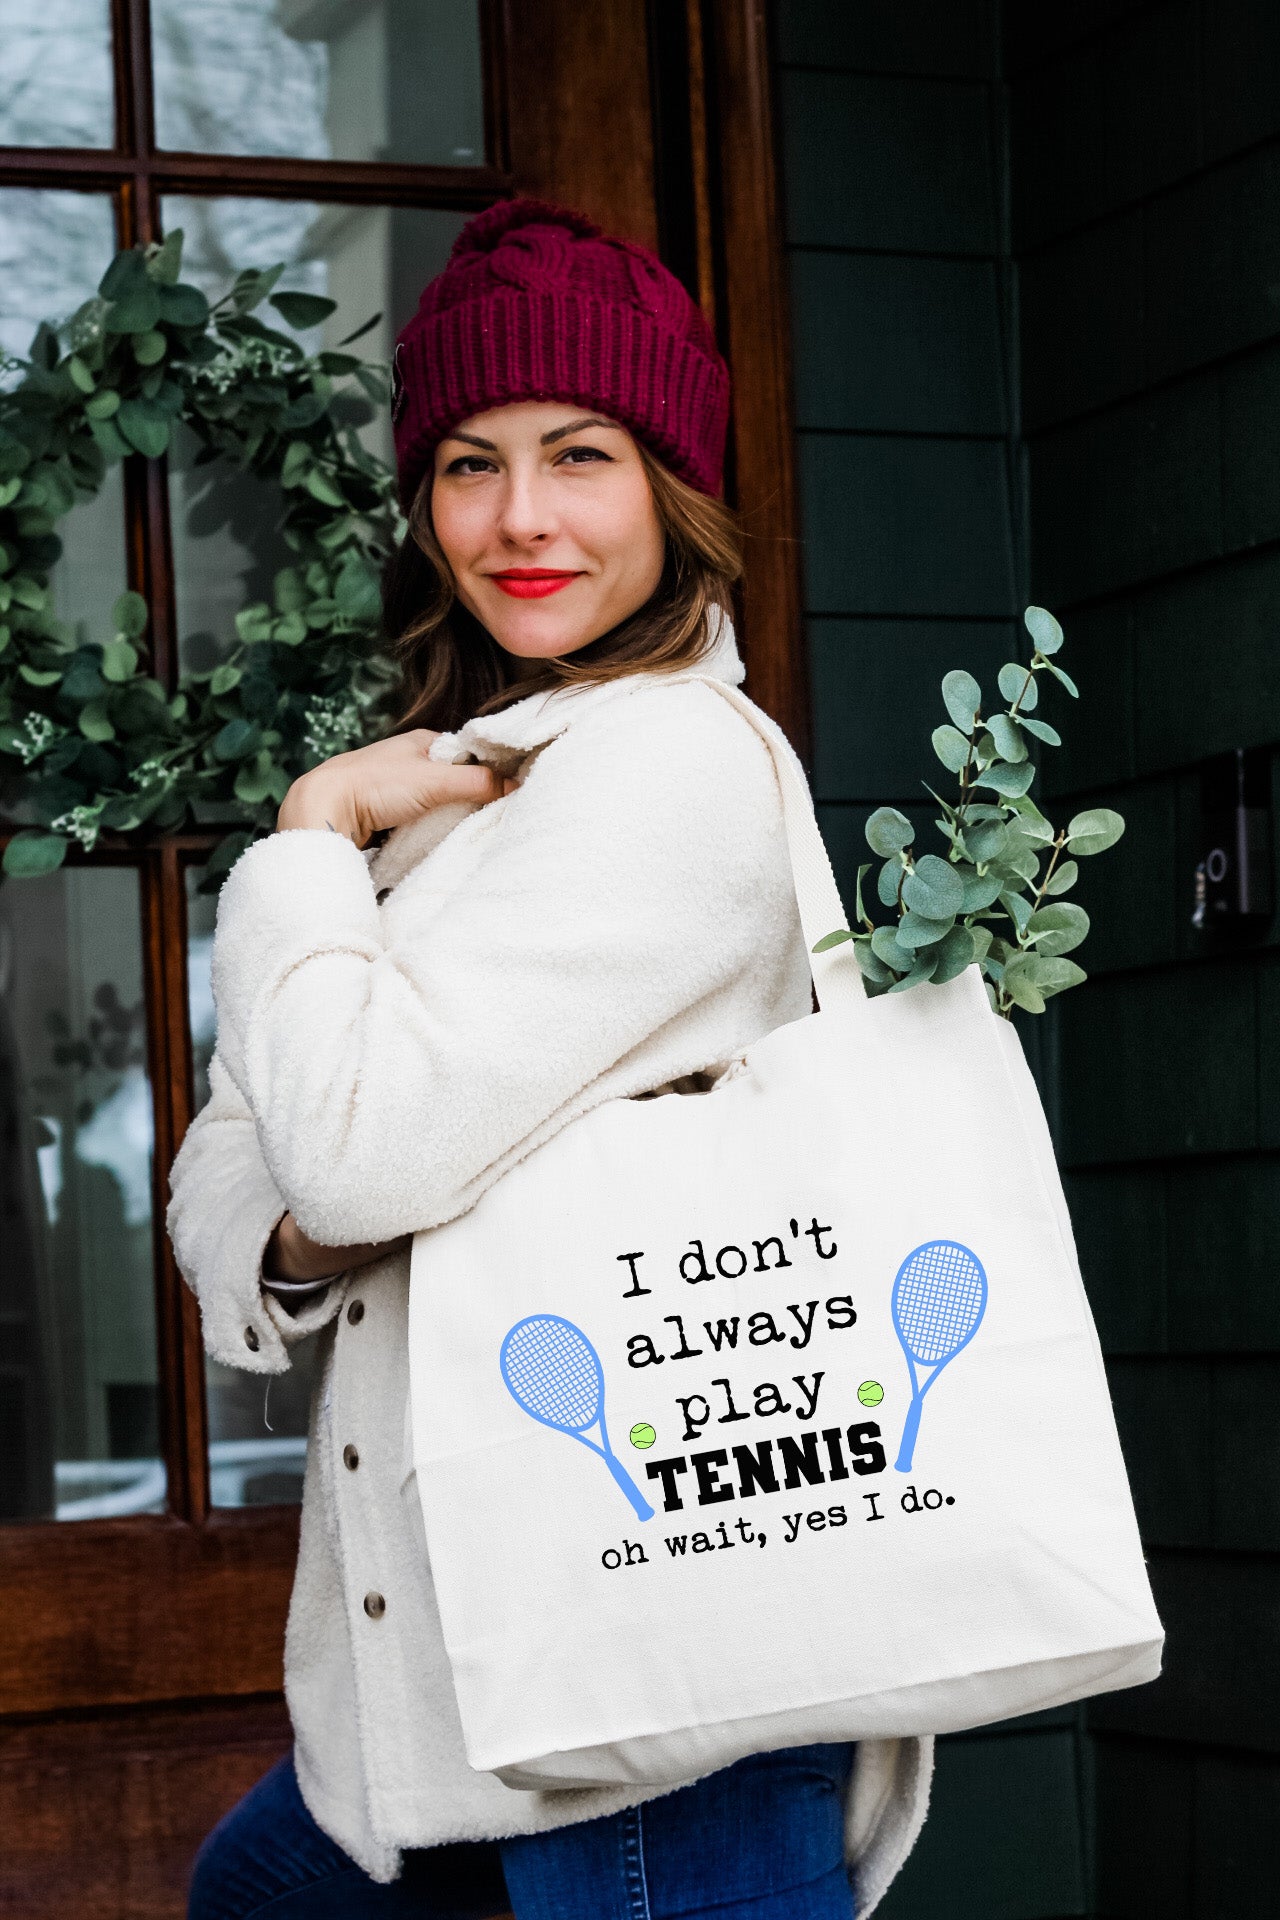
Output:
x=55 y=73
x=226 y=543
x=395 y=80
x=55 y=247
x=257 y=1432
x=79 y=1396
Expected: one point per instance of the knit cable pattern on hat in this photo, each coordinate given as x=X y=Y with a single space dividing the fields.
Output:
x=538 y=303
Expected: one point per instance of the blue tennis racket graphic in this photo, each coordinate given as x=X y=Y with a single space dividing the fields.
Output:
x=552 y=1370
x=939 y=1298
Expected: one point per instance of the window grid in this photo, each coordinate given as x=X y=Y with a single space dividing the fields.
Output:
x=137 y=176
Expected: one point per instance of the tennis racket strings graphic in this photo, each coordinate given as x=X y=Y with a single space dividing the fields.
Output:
x=552 y=1370
x=939 y=1298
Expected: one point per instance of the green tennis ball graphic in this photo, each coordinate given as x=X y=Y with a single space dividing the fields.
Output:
x=642 y=1435
x=871 y=1393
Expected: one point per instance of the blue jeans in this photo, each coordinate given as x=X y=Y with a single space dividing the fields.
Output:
x=761 y=1840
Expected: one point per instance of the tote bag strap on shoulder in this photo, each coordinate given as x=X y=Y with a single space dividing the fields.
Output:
x=836 y=977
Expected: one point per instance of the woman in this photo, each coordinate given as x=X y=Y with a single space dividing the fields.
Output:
x=584 y=895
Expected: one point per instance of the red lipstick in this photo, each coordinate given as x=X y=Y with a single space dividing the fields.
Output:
x=532 y=583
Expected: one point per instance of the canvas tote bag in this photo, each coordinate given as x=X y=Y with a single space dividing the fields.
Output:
x=775 y=1414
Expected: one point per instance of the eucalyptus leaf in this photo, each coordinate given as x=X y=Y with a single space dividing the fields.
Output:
x=962 y=697
x=1042 y=730
x=1058 y=928
x=357 y=594
x=225 y=677
x=1043 y=628
x=888 y=831
x=1094 y=831
x=118 y=659
x=236 y=739
x=872 y=969
x=321 y=487
x=934 y=890
x=1065 y=678
x=366 y=326
x=127 y=274
x=829 y=940
x=103 y=404
x=1018 y=909
x=303 y=310
x=924 y=969
x=149 y=348
x=987 y=841
x=955 y=953
x=951 y=747
x=183 y=306
x=1018 y=685
x=886 y=949
x=888 y=880
x=95 y=722
x=1030 y=823
x=164 y=262
x=254 y=623
x=1010 y=781
x=129 y=615
x=145 y=426
x=982 y=891
x=1010 y=744
x=1063 y=878
x=915 y=931
x=32 y=853
x=860 y=912
x=981 y=938
x=1020 y=986
x=135 y=312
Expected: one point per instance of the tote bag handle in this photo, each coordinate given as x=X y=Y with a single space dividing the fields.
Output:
x=836 y=976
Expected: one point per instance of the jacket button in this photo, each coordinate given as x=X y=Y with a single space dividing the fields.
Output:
x=251 y=1339
x=355 y=1312
x=350 y=1458
x=374 y=1605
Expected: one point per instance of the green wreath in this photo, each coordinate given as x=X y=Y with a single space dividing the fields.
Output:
x=91 y=740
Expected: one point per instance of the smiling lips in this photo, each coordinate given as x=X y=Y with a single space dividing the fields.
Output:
x=532 y=583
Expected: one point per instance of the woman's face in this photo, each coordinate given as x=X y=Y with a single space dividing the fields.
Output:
x=544 y=513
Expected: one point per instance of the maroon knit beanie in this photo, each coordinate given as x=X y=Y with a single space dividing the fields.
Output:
x=537 y=303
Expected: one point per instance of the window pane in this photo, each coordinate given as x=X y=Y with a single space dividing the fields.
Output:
x=55 y=73
x=226 y=544
x=324 y=79
x=257 y=1432
x=79 y=1395
x=54 y=249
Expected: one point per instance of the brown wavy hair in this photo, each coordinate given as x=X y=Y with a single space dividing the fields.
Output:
x=451 y=665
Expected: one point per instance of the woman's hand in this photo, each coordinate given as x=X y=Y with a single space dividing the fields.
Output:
x=290 y=1255
x=385 y=784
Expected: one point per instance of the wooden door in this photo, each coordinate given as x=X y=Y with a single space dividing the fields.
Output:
x=141 y=1630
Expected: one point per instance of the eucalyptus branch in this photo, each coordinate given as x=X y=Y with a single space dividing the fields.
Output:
x=986 y=902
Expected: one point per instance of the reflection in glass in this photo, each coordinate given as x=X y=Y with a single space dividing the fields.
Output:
x=226 y=542
x=79 y=1394
x=257 y=1432
x=54 y=249
x=55 y=73
x=392 y=80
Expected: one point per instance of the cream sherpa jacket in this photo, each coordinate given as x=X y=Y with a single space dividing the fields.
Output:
x=395 y=1029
